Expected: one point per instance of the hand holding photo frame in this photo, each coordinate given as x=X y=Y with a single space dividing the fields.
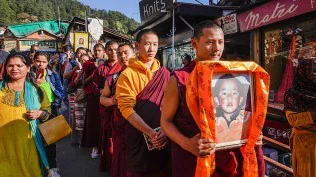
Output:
x=200 y=100
x=228 y=101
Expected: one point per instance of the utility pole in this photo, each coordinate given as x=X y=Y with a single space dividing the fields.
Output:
x=58 y=17
x=212 y=2
x=86 y=19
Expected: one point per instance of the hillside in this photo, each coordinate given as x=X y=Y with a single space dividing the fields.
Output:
x=24 y=11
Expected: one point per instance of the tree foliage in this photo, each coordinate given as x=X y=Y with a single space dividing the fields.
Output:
x=24 y=11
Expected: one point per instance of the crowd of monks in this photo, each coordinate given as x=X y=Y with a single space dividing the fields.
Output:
x=140 y=98
x=147 y=126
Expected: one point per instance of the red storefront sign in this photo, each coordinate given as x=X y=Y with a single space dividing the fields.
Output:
x=274 y=11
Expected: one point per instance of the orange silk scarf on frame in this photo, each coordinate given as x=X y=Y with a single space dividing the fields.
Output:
x=200 y=103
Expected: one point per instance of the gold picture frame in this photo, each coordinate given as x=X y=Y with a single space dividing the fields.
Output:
x=81 y=39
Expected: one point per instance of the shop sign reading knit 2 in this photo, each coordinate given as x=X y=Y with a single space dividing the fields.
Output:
x=151 y=8
x=274 y=11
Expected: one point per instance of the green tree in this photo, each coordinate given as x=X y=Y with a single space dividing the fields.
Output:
x=48 y=10
x=6 y=13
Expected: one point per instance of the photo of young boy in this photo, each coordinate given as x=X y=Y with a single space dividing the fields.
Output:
x=232 y=102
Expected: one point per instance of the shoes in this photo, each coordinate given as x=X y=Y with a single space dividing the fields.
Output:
x=94 y=153
x=53 y=173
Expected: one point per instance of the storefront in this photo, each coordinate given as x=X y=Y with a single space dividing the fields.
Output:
x=287 y=29
x=283 y=32
x=174 y=25
x=45 y=34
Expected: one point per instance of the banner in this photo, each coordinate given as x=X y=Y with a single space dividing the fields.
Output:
x=46 y=46
x=274 y=11
x=9 y=45
x=152 y=8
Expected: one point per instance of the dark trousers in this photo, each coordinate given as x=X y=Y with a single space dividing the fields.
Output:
x=51 y=155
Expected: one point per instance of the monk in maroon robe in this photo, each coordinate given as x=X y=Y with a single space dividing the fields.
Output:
x=92 y=128
x=139 y=91
x=107 y=113
x=88 y=70
x=111 y=68
x=179 y=125
x=108 y=99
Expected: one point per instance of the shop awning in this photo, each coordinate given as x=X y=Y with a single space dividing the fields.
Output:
x=52 y=27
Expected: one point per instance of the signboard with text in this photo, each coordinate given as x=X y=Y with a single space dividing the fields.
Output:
x=9 y=45
x=151 y=8
x=274 y=11
x=46 y=46
x=228 y=23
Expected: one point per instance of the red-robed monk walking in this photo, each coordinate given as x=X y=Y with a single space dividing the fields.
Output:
x=139 y=93
x=111 y=67
x=90 y=136
x=179 y=125
x=118 y=168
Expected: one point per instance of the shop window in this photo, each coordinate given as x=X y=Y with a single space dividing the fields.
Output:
x=284 y=45
x=180 y=52
x=237 y=48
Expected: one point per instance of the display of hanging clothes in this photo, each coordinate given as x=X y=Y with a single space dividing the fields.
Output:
x=288 y=76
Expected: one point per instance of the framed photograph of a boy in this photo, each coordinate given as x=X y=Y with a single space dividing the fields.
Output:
x=232 y=98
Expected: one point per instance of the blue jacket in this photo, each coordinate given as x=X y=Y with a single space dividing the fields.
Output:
x=55 y=84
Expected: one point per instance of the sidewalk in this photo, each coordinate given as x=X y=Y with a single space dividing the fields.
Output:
x=76 y=162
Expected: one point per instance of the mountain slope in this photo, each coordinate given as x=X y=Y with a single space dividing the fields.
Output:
x=24 y=11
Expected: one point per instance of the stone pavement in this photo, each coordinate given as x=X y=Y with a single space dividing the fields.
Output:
x=74 y=161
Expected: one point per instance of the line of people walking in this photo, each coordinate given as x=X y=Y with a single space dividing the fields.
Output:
x=130 y=111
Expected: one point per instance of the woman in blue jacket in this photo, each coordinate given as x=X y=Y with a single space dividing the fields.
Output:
x=50 y=84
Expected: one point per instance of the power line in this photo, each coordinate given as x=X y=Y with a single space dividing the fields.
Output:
x=199 y=2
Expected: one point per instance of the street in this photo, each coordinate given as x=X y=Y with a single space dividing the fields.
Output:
x=74 y=161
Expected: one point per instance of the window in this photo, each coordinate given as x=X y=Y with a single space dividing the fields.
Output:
x=283 y=45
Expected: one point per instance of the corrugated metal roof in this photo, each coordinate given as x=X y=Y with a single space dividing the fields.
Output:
x=23 y=30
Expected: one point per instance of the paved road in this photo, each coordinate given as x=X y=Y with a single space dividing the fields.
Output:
x=76 y=162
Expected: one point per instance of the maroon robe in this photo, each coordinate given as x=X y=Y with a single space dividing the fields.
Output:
x=228 y=162
x=118 y=123
x=107 y=112
x=88 y=68
x=140 y=161
x=91 y=132
x=118 y=168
